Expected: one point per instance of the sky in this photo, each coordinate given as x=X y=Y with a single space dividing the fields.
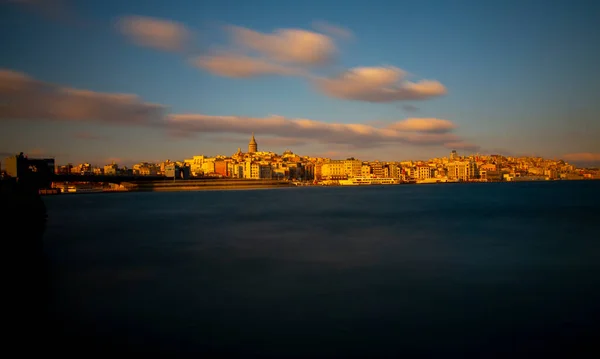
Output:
x=148 y=80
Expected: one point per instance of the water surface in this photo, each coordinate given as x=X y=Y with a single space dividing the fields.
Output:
x=488 y=270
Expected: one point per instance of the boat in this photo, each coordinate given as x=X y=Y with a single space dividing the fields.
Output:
x=362 y=181
x=81 y=189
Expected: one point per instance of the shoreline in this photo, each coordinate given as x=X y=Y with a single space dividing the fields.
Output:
x=196 y=187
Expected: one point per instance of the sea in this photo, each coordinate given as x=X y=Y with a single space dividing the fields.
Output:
x=482 y=270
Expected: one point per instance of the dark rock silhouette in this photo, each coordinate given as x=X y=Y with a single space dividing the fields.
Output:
x=24 y=211
x=22 y=224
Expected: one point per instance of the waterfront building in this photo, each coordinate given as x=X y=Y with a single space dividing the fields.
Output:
x=461 y=170
x=352 y=167
x=377 y=169
x=423 y=172
x=111 y=169
x=365 y=170
x=334 y=169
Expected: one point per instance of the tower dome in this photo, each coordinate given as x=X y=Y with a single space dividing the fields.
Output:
x=252 y=146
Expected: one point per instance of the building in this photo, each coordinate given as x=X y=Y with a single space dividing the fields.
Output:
x=334 y=169
x=111 y=170
x=252 y=146
x=221 y=168
x=377 y=169
x=195 y=164
x=352 y=167
x=35 y=171
x=423 y=172
x=462 y=170
x=365 y=170
x=176 y=171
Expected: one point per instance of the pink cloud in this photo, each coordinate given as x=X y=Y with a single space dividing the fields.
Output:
x=378 y=84
x=423 y=125
x=55 y=103
x=355 y=134
x=52 y=102
x=287 y=45
x=242 y=66
x=155 y=33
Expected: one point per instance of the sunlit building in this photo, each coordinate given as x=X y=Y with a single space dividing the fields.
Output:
x=252 y=146
x=462 y=170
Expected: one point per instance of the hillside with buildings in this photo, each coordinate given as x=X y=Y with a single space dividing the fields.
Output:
x=255 y=164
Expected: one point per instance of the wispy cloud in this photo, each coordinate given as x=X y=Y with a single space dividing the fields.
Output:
x=423 y=125
x=291 y=52
x=310 y=130
x=242 y=66
x=52 y=102
x=56 y=103
x=284 y=52
x=287 y=45
x=378 y=84
x=165 y=35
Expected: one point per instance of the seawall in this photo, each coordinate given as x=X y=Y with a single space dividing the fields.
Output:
x=199 y=185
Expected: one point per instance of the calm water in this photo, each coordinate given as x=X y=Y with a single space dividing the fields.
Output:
x=432 y=270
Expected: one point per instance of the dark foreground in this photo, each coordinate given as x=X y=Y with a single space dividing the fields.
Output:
x=481 y=270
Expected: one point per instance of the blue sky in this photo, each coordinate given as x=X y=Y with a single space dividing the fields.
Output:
x=519 y=77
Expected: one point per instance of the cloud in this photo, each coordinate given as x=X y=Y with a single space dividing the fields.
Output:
x=24 y=98
x=155 y=33
x=355 y=134
x=378 y=84
x=241 y=66
x=287 y=45
x=423 y=125
x=333 y=30
x=582 y=157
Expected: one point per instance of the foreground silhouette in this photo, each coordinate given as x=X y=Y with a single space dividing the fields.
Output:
x=23 y=221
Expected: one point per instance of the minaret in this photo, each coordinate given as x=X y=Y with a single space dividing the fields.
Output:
x=252 y=146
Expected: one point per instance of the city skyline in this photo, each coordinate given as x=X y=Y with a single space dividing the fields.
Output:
x=88 y=81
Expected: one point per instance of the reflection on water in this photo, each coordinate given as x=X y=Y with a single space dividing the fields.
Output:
x=485 y=269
